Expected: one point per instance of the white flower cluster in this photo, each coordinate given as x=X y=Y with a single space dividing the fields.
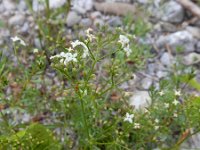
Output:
x=65 y=57
x=16 y=38
x=68 y=57
x=85 y=51
x=125 y=44
x=89 y=35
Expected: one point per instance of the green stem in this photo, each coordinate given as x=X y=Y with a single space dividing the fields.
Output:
x=84 y=118
x=108 y=55
x=91 y=53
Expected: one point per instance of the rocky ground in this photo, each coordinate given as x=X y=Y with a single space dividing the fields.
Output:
x=172 y=26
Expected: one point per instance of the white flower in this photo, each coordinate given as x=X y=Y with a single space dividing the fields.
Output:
x=123 y=40
x=65 y=57
x=156 y=127
x=16 y=38
x=146 y=110
x=125 y=44
x=127 y=50
x=156 y=120
x=136 y=125
x=83 y=92
x=161 y=93
x=129 y=117
x=177 y=92
x=89 y=35
x=175 y=102
x=166 y=105
x=175 y=115
x=86 y=50
x=35 y=50
x=70 y=57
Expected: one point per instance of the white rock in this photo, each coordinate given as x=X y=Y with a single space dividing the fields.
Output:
x=182 y=39
x=9 y=5
x=39 y=5
x=56 y=3
x=146 y=83
x=72 y=18
x=167 y=59
x=172 y=12
x=22 y=5
x=140 y=99
x=161 y=74
x=192 y=58
x=17 y=19
x=82 y=6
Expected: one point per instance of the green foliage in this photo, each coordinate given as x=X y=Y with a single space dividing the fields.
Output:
x=136 y=25
x=35 y=137
x=192 y=109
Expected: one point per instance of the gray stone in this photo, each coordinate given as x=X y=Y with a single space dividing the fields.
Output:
x=198 y=47
x=86 y=22
x=22 y=5
x=72 y=18
x=181 y=39
x=168 y=27
x=193 y=142
x=146 y=83
x=167 y=59
x=99 y=22
x=192 y=58
x=161 y=74
x=194 y=31
x=95 y=14
x=25 y=28
x=140 y=99
x=172 y=12
x=124 y=86
x=143 y=1
x=37 y=43
x=2 y=9
x=9 y=5
x=153 y=67
x=115 y=21
x=39 y=5
x=17 y=19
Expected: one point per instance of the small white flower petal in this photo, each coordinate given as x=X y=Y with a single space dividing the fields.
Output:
x=177 y=93
x=129 y=117
x=175 y=102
